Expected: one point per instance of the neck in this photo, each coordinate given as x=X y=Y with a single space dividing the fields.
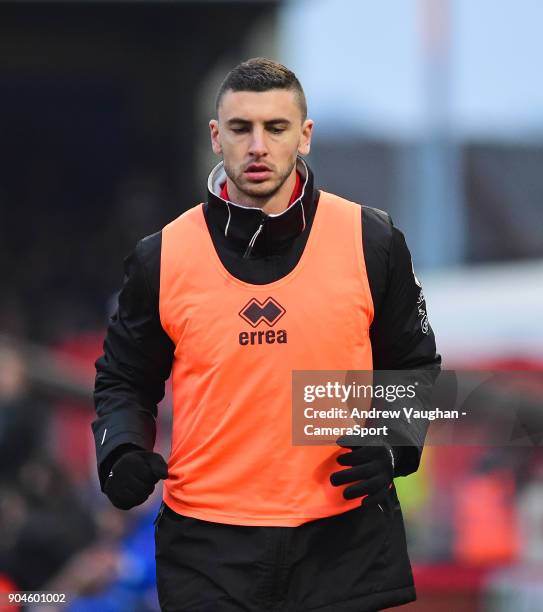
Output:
x=274 y=204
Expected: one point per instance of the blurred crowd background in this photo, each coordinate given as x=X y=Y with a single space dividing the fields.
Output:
x=429 y=109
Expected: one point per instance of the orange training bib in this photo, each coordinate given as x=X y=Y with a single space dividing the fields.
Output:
x=232 y=458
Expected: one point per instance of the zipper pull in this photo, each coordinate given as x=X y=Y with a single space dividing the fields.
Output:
x=251 y=244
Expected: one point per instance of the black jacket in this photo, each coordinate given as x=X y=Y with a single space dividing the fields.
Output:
x=138 y=354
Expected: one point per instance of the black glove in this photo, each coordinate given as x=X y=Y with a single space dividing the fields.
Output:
x=133 y=477
x=372 y=470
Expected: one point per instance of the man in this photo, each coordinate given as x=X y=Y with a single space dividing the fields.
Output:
x=268 y=276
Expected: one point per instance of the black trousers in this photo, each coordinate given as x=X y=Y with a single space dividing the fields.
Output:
x=352 y=562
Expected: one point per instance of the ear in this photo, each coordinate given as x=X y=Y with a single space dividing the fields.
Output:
x=305 y=139
x=215 y=138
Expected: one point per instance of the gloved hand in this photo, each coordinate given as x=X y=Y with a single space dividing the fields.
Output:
x=371 y=470
x=133 y=477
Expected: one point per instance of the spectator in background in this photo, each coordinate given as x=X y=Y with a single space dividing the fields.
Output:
x=23 y=419
x=41 y=522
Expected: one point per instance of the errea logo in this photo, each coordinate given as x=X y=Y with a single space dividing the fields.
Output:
x=267 y=312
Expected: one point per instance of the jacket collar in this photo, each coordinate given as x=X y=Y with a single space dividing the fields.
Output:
x=249 y=229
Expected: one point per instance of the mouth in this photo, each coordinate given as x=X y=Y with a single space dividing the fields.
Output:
x=258 y=172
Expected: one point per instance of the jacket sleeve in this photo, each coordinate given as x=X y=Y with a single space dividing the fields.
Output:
x=137 y=360
x=401 y=335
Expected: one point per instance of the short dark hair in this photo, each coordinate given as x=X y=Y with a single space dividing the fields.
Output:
x=262 y=74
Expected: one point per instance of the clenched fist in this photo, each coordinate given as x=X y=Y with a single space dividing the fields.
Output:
x=133 y=478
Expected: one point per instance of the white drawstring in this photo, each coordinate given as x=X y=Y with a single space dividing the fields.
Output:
x=303 y=214
x=229 y=217
x=252 y=241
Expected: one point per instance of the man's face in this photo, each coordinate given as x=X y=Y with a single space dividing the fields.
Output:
x=259 y=135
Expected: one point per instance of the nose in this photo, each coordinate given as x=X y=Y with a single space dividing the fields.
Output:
x=257 y=147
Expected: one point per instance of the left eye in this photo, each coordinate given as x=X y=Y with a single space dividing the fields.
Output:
x=277 y=130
